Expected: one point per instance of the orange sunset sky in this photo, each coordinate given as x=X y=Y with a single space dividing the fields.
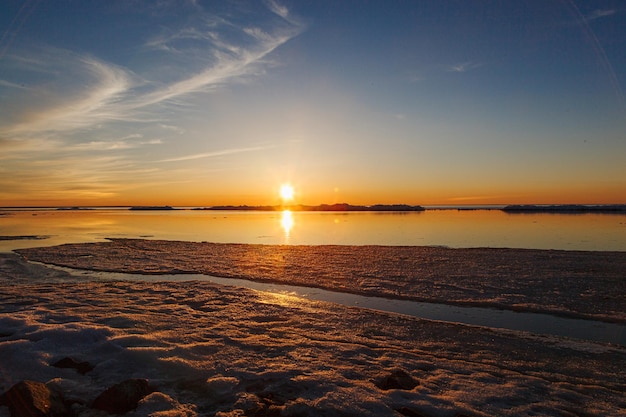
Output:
x=209 y=103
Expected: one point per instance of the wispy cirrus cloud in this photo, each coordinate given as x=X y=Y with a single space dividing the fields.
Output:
x=60 y=106
x=172 y=128
x=582 y=21
x=217 y=51
x=278 y=9
x=224 y=71
x=464 y=66
x=129 y=142
x=183 y=40
x=68 y=175
x=600 y=13
x=9 y=84
x=18 y=149
x=81 y=123
x=231 y=60
x=214 y=154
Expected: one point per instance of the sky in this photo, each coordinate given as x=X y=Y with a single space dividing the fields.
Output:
x=199 y=103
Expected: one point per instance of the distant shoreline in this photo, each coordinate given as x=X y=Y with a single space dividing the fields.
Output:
x=344 y=207
x=566 y=208
x=321 y=207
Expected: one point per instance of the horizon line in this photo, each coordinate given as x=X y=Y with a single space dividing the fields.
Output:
x=279 y=207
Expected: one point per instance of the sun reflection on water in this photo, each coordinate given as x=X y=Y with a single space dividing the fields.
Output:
x=286 y=221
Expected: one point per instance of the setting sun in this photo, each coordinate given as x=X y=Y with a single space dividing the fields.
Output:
x=286 y=192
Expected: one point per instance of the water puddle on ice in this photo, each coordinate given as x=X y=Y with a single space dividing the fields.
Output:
x=537 y=323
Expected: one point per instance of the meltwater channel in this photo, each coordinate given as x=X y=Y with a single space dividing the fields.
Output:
x=537 y=323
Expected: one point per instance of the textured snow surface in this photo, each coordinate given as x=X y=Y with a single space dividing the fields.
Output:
x=219 y=350
x=572 y=283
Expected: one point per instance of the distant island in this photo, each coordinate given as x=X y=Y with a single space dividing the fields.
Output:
x=152 y=208
x=321 y=207
x=74 y=208
x=345 y=207
x=565 y=208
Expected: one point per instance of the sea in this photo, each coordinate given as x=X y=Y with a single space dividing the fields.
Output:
x=455 y=227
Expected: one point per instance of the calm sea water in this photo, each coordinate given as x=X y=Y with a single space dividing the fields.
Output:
x=452 y=228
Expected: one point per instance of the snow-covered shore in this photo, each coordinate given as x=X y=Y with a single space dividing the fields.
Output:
x=208 y=349
x=569 y=283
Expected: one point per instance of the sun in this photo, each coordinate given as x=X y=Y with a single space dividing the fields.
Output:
x=286 y=192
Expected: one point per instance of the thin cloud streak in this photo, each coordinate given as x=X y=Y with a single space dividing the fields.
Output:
x=12 y=85
x=113 y=145
x=18 y=149
x=77 y=177
x=276 y=8
x=215 y=154
x=464 y=67
x=226 y=69
x=583 y=22
x=96 y=104
x=16 y=24
x=172 y=128
x=600 y=13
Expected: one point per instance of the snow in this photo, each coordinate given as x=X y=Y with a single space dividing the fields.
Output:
x=577 y=284
x=221 y=350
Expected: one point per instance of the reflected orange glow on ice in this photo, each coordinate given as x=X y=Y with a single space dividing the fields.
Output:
x=283 y=299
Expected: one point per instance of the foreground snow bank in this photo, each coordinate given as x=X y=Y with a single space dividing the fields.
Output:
x=217 y=350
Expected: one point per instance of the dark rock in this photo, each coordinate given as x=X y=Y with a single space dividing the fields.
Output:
x=123 y=397
x=408 y=412
x=396 y=379
x=33 y=399
x=152 y=208
x=81 y=367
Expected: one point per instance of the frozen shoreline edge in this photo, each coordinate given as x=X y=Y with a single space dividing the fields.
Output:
x=224 y=281
x=586 y=285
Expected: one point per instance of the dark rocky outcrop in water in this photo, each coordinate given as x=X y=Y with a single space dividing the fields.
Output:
x=26 y=237
x=139 y=208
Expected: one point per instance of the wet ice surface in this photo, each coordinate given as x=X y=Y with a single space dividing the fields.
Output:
x=212 y=349
x=487 y=317
x=578 y=284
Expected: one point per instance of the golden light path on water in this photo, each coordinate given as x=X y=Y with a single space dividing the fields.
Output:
x=287 y=222
x=453 y=228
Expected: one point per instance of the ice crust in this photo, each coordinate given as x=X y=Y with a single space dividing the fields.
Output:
x=219 y=350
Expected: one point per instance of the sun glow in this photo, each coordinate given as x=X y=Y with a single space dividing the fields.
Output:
x=286 y=192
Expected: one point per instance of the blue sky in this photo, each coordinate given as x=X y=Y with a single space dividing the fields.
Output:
x=422 y=102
